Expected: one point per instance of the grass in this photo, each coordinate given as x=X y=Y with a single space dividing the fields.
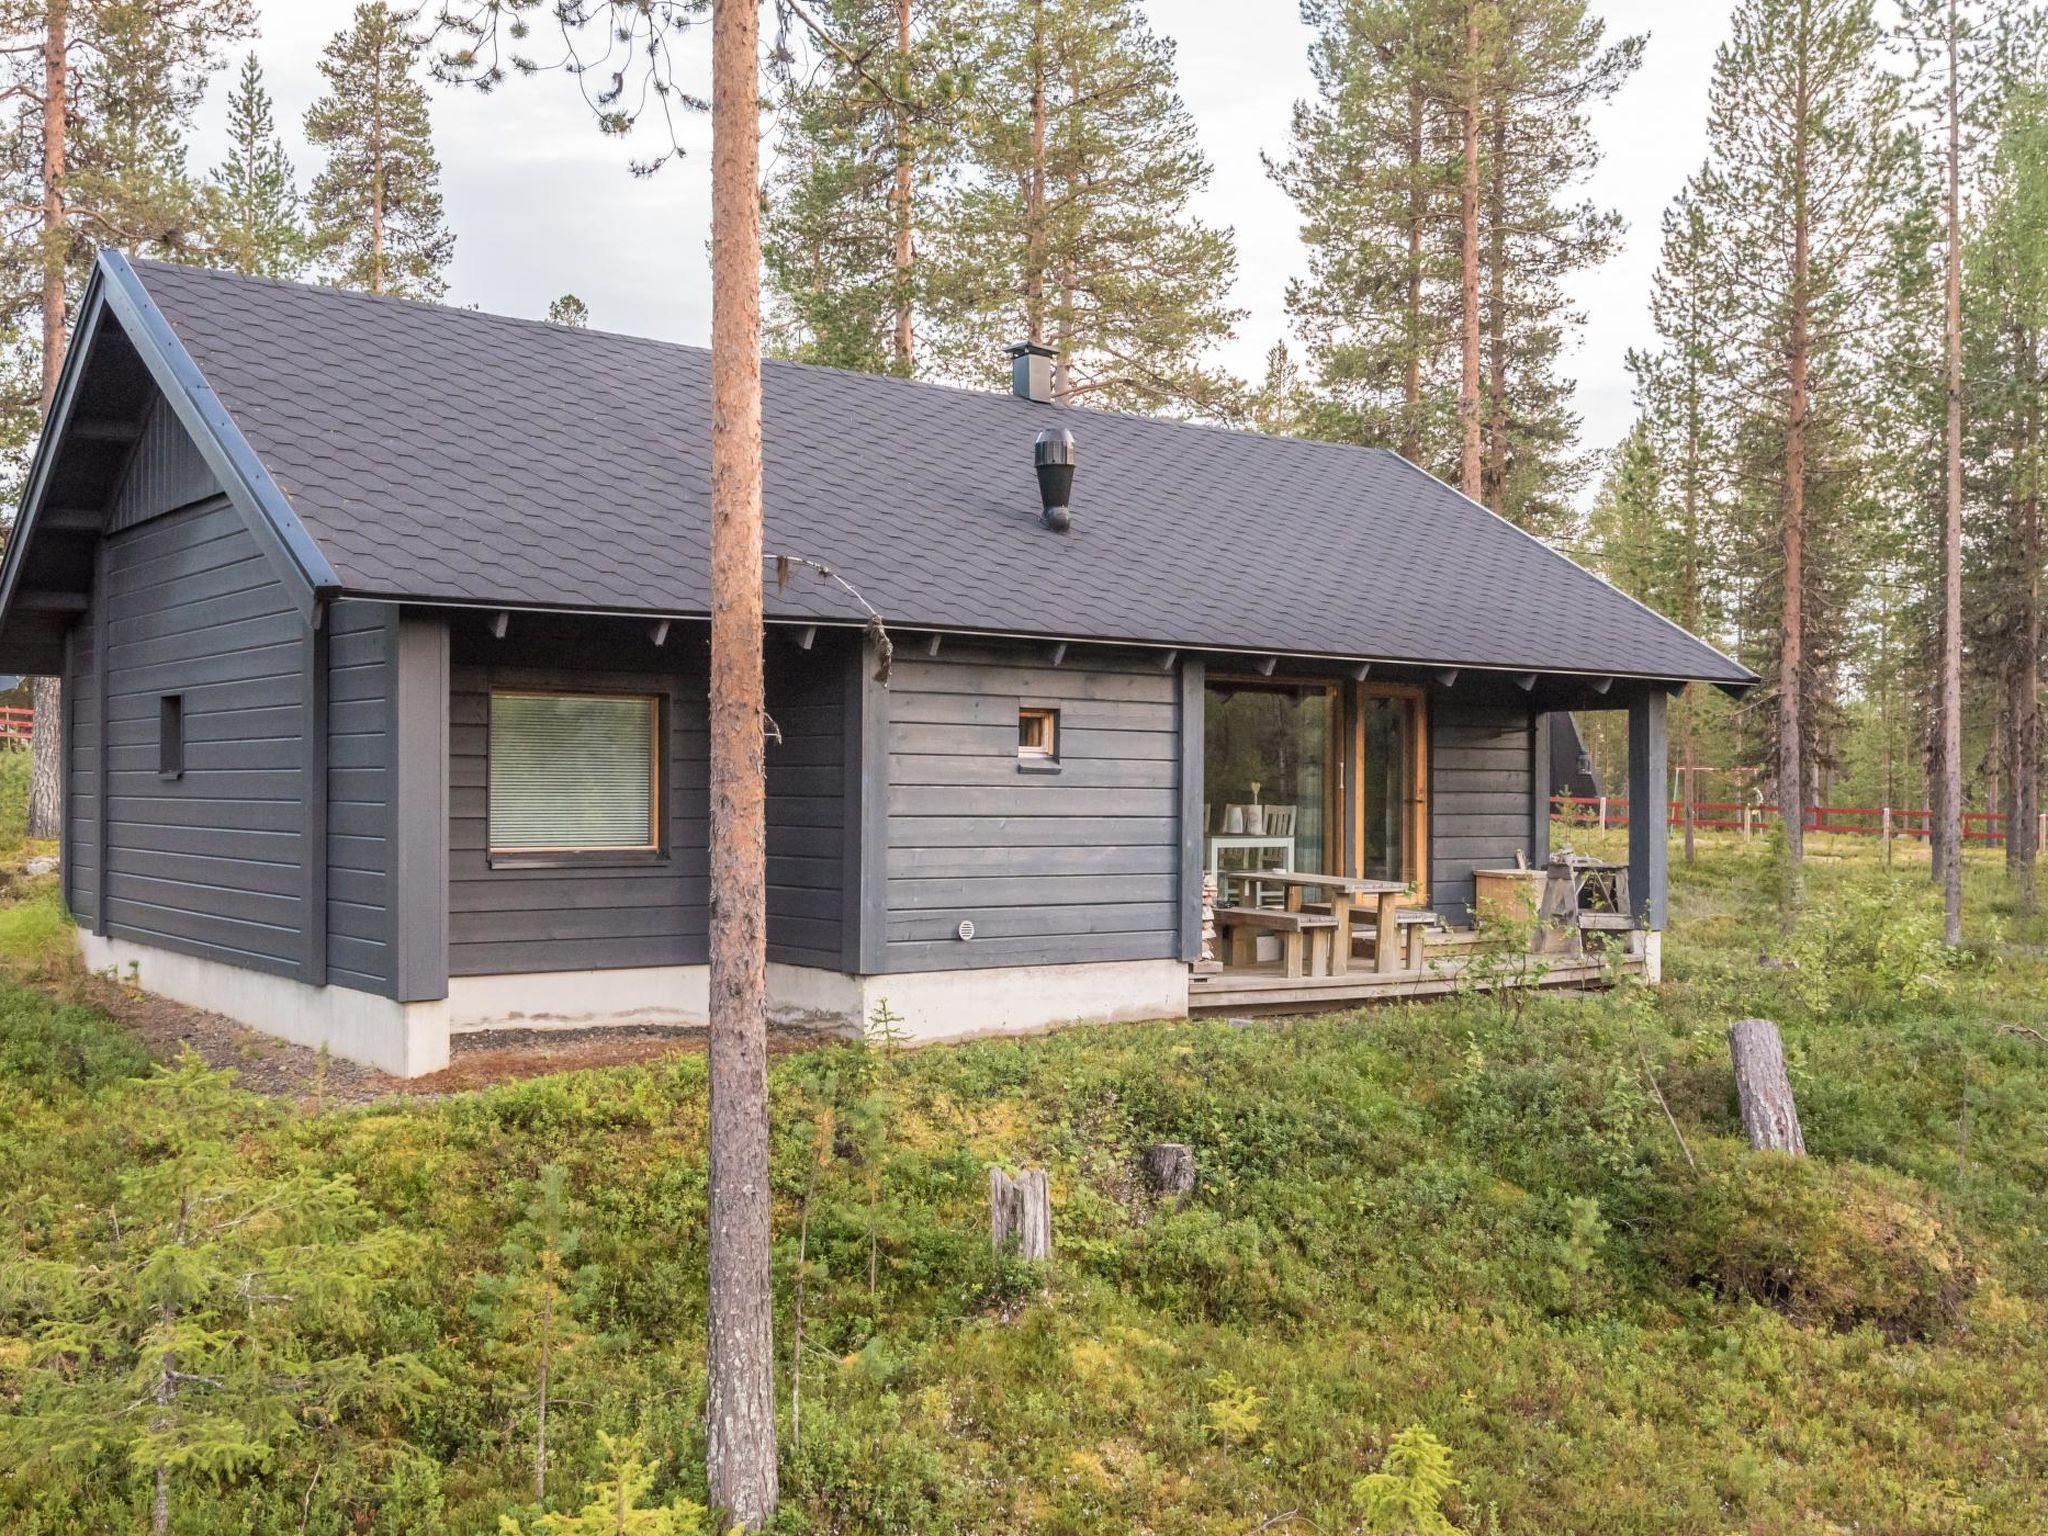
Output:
x=1450 y=1216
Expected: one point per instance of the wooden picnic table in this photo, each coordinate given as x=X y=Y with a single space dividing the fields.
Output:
x=1344 y=893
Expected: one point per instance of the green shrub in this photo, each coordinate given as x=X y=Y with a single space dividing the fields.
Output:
x=44 y=1045
x=1831 y=1246
x=1871 y=941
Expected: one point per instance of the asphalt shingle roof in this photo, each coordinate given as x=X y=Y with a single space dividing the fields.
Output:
x=442 y=454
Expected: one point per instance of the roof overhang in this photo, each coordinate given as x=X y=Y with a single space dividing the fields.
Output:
x=39 y=589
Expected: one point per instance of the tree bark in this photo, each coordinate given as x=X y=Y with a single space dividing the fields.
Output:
x=1171 y=1165
x=46 y=745
x=1494 y=472
x=1468 y=266
x=905 y=155
x=1020 y=1214
x=1763 y=1089
x=1951 y=809
x=1791 y=614
x=740 y=1401
x=2027 y=699
x=1418 y=211
x=1035 y=241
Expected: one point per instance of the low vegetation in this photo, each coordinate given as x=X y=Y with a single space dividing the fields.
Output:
x=1447 y=1267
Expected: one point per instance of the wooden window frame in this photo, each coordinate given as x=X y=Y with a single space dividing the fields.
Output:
x=170 y=736
x=1415 y=871
x=1036 y=759
x=1339 y=762
x=536 y=857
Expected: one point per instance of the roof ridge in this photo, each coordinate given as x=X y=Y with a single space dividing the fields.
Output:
x=634 y=338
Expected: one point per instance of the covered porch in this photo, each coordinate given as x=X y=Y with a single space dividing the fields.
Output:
x=1367 y=838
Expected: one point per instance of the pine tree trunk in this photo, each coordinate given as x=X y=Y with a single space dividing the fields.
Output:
x=1418 y=213
x=1763 y=1088
x=1494 y=473
x=905 y=338
x=1468 y=264
x=740 y=1396
x=1791 y=611
x=1035 y=242
x=1951 y=810
x=46 y=745
x=2023 y=832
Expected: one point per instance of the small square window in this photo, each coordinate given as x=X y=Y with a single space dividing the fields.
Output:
x=170 y=736
x=1038 y=735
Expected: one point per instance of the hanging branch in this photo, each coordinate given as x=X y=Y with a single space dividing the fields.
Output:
x=877 y=631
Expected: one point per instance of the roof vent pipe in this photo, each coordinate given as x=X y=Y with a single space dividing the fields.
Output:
x=1053 y=455
x=1031 y=371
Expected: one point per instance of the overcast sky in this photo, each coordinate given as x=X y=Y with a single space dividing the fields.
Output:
x=541 y=205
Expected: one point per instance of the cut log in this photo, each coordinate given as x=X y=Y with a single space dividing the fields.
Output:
x=1172 y=1167
x=1020 y=1214
x=1763 y=1090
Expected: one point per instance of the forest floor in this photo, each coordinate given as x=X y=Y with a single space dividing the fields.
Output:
x=1453 y=1255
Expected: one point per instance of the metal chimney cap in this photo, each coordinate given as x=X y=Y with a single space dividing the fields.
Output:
x=1055 y=445
x=1029 y=349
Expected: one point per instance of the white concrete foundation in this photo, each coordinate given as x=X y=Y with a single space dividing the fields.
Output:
x=649 y=994
x=1005 y=1000
x=1653 y=956
x=411 y=1039
x=404 y=1039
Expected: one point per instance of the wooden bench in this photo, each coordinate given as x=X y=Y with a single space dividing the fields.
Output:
x=1314 y=931
x=1415 y=923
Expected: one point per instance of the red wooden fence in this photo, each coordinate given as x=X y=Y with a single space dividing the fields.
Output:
x=16 y=725
x=1726 y=815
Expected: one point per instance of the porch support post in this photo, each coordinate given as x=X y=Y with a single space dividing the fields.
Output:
x=419 y=806
x=1649 y=807
x=1539 y=790
x=1193 y=675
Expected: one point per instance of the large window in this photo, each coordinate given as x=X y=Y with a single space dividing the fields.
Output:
x=574 y=773
x=1270 y=774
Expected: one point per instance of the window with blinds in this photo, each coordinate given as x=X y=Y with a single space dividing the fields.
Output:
x=574 y=773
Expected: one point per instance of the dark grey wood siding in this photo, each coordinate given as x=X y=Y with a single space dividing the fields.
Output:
x=1481 y=786
x=81 y=774
x=1082 y=864
x=360 y=679
x=164 y=473
x=576 y=915
x=807 y=698
x=213 y=862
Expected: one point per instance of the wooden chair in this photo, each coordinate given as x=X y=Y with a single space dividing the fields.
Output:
x=1313 y=932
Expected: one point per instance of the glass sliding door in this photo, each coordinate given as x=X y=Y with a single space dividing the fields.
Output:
x=1392 y=798
x=1270 y=774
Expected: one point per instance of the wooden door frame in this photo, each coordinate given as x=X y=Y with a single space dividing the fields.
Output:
x=1416 y=856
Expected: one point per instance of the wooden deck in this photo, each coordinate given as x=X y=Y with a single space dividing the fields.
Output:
x=1449 y=967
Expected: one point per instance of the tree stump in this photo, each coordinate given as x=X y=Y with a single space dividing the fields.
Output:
x=1020 y=1214
x=1763 y=1090
x=1171 y=1165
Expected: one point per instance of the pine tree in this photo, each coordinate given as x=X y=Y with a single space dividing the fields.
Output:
x=1549 y=63
x=2005 y=351
x=1432 y=173
x=1805 y=160
x=376 y=205
x=253 y=201
x=570 y=311
x=180 y=1335
x=1370 y=176
x=1073 y=228
x=868 y=134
